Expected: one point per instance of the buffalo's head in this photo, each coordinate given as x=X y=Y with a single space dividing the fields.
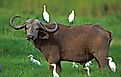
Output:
x=34 y=28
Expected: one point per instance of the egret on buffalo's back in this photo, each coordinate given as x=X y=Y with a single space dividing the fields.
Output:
x=71 y=17
x=112 y=64
x=45 y=14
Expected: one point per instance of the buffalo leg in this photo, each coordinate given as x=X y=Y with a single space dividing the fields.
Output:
x=101 y=58
x=58 y=67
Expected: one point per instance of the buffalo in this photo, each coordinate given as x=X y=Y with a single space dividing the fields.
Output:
x=58 y=42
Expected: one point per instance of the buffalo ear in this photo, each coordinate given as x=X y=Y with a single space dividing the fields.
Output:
x=43 y=35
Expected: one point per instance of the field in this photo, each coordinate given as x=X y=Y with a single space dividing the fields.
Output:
x=14 y=48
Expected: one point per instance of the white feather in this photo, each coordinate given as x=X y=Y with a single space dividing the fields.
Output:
x=55 y=74
x=45 y=14
x=88 y=70
x=71 y=17
x=112 y=64
x=88 y=64
x=74 y=65
x=34 y=61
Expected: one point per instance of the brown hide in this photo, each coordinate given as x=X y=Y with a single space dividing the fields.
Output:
x=79 y=44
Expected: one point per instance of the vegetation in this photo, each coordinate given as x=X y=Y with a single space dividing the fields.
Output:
x=14 y=48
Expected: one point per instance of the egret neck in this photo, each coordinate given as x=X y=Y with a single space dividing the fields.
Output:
x=54 y=69
x=44 y=8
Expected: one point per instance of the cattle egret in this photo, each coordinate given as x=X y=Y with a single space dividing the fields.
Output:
x=71 y=17
x=55 y=74
x=45 y=14
x=88 y=70
x=34 y=61
x=88 y=64
x=112 y=64
x=74 y=65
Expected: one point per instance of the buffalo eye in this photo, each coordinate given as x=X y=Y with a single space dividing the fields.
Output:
x=37 y=28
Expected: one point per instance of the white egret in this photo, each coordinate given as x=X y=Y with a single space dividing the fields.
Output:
x=112 y=64
x=74 y=65
x=34 y=61
x=88 y=64
x=88 y=70
x=55 y=74
x=45 y=14
x=71 y=17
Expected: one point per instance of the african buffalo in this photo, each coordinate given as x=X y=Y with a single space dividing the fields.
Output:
x=60 y=42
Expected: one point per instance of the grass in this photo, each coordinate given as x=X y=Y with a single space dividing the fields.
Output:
x=14 y=48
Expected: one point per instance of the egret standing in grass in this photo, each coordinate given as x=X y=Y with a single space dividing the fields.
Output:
x=34 y=61
x=88 y=70
x=55 y=74
x=45 y=14
x=88 y=64
x=71 y=17
x=74 y=65
x=112 y=64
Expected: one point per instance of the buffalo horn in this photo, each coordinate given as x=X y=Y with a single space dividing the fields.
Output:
x=17 y=27
x=52 y=30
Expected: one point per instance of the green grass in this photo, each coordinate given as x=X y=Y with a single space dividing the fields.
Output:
x=14 y=48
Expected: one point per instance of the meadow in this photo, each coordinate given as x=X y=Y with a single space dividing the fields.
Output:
x=14 y=48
